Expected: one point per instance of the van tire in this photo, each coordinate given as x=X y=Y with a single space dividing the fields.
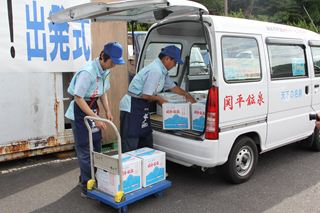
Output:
x=242 y=161
x=316 y=140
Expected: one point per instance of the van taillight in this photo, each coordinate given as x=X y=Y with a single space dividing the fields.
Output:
x=212 y=114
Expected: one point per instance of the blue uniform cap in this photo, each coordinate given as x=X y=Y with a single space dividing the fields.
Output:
x=173 y=52
x=114 y=50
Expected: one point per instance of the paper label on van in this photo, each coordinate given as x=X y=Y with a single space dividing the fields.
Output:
x=241 y=69
x=298 y=68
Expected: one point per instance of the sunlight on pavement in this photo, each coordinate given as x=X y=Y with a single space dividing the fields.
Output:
x=40 y=195
x=305 y=201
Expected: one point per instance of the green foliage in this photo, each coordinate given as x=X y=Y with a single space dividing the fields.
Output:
x=215 y=7
x=289 y=12
x=237 y=14
x=305 y=25
x=139 y=27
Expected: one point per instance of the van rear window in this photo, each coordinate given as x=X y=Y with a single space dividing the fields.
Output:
x=152 y=52
x=241 y=59
x=287 y=61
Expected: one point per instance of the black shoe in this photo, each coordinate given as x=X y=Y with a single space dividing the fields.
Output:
x=80 y=182
x=83 y=193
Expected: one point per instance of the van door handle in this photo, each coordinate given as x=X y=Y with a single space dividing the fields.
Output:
x=316 y=86
x=306 y=90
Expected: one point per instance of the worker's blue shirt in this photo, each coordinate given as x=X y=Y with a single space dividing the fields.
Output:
x=150 y=80
x=91 y=81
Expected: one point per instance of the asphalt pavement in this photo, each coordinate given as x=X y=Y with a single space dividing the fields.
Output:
x=286 y=180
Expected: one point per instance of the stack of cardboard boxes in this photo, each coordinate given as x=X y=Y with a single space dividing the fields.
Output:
x=178 y=115
x=140 y=168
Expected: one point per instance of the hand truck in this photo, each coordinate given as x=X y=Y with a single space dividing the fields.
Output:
x=108 y=163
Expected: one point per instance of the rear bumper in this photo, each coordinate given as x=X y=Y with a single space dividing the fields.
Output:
x=186 y=151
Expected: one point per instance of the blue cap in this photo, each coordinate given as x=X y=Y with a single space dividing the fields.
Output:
x=114 y=50
x=173 y=52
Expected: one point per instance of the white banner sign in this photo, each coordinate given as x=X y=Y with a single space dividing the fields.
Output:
x=31 y=43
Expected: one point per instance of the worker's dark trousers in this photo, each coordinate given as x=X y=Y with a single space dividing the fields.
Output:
x=135 y=126
x=81 y=138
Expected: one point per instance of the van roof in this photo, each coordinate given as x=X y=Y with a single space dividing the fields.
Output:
x=241 y=25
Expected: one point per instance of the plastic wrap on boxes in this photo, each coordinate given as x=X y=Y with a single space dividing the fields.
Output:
x=131 y=172
x=200 y=96
x=176 y=116
x=171 y=98
x=153 y=165
x=139 y=151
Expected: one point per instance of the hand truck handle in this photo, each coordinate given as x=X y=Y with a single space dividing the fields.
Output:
x=86 y=118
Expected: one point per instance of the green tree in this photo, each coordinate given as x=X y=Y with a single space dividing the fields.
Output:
x=291 y=12
x=215 y=7
x=244 y=5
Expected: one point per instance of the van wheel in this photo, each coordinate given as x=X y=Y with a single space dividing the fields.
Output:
x=242 y=161
x=316 y=140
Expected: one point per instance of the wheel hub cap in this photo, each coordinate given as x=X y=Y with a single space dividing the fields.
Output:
x=244 y=161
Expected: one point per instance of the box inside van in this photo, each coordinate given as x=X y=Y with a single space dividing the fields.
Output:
x=261 y=81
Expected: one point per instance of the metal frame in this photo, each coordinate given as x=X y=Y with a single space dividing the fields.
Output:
x=113 y=165
x=104 y=161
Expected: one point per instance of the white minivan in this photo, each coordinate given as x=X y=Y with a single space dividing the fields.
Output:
x=262 y=80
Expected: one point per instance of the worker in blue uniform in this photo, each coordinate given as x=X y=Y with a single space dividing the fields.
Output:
x=135 y=128
x=88 y=85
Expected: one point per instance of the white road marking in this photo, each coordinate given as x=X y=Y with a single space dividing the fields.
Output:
x=35 y=165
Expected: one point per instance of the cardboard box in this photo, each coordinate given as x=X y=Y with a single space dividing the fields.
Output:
x=176 y=116
x=131 y=173
x=198 y=114
x=171 y=98
x=153 y=165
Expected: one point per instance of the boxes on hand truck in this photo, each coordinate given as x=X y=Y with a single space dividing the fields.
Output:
x=153 y=165
x=131 y=173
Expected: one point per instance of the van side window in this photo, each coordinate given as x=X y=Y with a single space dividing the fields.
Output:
x=152 y=53
x=241 y=59
x=316 y=60
x=287 y=61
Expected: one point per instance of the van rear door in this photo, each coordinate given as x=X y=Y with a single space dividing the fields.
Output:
x=145 y=11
